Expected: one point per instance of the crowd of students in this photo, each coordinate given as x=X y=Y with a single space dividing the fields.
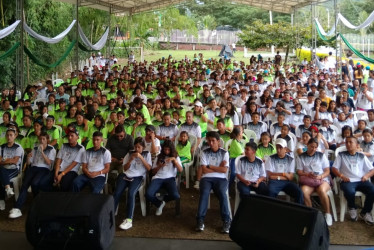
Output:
x=262 y=126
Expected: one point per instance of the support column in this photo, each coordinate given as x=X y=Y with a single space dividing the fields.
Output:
x=109 y=27
x=19 y=54
x=76 y=59
x=271 y=23
x=311 y=32
x=336 y=40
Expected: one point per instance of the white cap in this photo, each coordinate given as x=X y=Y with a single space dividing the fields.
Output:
x=281 y=142
x=198 y=103
x=39 y=84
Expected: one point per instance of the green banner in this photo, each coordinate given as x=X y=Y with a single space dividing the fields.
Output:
x=53 y=65
x=10 y=51
x=323 y=37
x=370 y=60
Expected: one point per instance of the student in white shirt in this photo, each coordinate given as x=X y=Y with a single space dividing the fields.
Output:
x=165 y=169
x=95 y=164
x=364 y=98
x=136 y=164
x=355 y=170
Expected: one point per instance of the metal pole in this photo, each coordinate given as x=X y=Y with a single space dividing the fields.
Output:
x=77 y=37
x=271 y=23
x=19 y=55
x=311 y=32
x=336 y=33
x=109 y=27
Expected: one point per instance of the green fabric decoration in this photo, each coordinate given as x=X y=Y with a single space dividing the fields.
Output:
x=62 y=58
x=10 y=51
x=370 y=60
x=323 y=37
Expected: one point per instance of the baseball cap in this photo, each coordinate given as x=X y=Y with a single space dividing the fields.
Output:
x=71 y=130
x=198 y=103
x=150 y=128
x=281 y=142
x=345 y=104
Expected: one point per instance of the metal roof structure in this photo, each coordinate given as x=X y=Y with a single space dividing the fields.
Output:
x=137 y=6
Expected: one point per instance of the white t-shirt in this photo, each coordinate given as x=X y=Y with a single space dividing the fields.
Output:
x=167 y=171
x=352 y=166
x=37 y=159
x=193 y=129
x=280 y=165
x=362 y=100
x=208 y=157
x=11 y=152
x=68 y=154
x=313 y=164
x=250 y=171
x=171 y=130
x=137 y=167
x=96 y=160
x=148 y=146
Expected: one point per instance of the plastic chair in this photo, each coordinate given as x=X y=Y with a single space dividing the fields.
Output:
x=343 y=203
x=187 y=165
x=292 y=135
x=17 y=181
x=360 y=115
x=332 y=202
x=57 y=82
x=330 y=154
x=340 y=149
x=251 y=135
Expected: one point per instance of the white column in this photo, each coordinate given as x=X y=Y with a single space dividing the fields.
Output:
x=271 y=23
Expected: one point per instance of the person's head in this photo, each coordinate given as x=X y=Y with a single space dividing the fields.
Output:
x=265 y=138
x=312 y=146
x=281 y=146
x=139 y=145
x=351 y=143
x=43 y=138
x=371 y=114
x=166 y=118
x=307 y=120
x=189 y=117
x=139 y=118
x=250 y=149
x=306 y=136
x=183 y=137
x=79 y=116
x=285 y=130
x=168 y=149
x=11 y=135
x=255 y=117
x=368 y=135
x=361 y=124
x=149 y=131
x=347 y=131
x=121 y=115
x=236 y=133
x=341 y=116
x=27 y=121
x=6 y=117
x=213 y=140
x=120 y=133
x=221 y=125
x=325 y=123
x=50 y=121
x=97 y=139
x=281 y=118
x=38 y=125
x=323 y=107
x=314 y=131
x=73 y=135
x=99 y=121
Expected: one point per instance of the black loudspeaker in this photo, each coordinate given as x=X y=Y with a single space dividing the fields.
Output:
x=71 y=221
x=266 y=223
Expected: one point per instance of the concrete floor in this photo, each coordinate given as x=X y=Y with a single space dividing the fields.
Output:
x=17 y=241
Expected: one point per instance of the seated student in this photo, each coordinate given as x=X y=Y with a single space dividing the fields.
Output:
x=214 y=167
x=265 y=148
x=40 y=160
x=370 y=121
x=68 y=161
x=285 y=130
x=313 y=169
x=52 y=131
x=165 y=169
x=236 y=149
x=176 y=118
x=227 y=119
x=10 y=164
x=250 y=172
x=256 y=125
x=302 y=145
x=361 y=126
x=95 y=164
x=297 y=117
x=136 y=164
x=367 y=145
x=280 y=169
x=223 y=133
x=167 y=130
x=138 y=128
x=343 y=120
x=191 y=127
x=277 y=126
x=184 y=147
x=322 y=142
x=328 y=133
x=321 y=113
x=307 y=121
x=355 y=170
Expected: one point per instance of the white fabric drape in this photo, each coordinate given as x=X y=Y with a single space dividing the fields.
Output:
x=55 y=39
x=99 y=45
x=341 y=18
x=9 y=30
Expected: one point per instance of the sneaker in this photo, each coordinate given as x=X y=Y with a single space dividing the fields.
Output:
x=15 y=213
x=226 y=227
x=126 y=224
x=197 y=185
x=2 y=205
x=159 y=209
x=328 y=218
x=200 y=226
x=353 y=214
x=9 y=192
x=367 y=218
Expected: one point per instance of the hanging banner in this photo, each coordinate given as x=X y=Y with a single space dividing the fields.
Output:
x=322 y=36
x=357 y=53
x=9 y=30
x=99 y=45
x=53 y=65
x=10 y=51
x=55 y=39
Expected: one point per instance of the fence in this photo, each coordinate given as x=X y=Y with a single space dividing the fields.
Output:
x=364 y=44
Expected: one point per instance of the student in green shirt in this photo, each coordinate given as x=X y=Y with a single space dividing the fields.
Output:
x=61 y=113
x=4 y=126
x=184 y=148
x=236 y=149
x=265 y=148
x=99 y=125
x=223 y=115
x=223 y=133
x=138 y=128
x=52 y=131
x=32 y=138
x=141 y=107
x=190 y=96
x=69 y=118
x=81 y=125
x=111 y=124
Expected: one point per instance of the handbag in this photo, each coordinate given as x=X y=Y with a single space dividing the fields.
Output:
x=311 y=182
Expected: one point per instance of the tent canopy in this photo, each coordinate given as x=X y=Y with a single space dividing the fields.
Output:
x=136 y=6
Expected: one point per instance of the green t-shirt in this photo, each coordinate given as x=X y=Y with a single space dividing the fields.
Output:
x=67 y=120
x=139 y=131
x=225 y=137
x=90 y=133
x=236 y=148
x=228 y=122
x=262 y=151
x=184 y=151
x=54 y=133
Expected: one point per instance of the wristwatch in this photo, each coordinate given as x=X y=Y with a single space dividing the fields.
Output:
x=278 y=178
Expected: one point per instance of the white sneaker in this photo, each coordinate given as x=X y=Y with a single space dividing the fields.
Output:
x=353 y=214
x=9 y=192
x=328 y=218
x=367 y=218
x=159 y=209
x=197 y=185
x=2 y=205
x=126 y=224
x=15 y=213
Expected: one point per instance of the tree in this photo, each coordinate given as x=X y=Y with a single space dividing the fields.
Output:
x=281 y=35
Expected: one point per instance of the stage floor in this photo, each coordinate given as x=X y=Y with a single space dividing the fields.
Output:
x=17 y=241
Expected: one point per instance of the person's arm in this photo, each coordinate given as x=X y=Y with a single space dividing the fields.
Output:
x=13 y=160
x=222 y=168
x=175 y=163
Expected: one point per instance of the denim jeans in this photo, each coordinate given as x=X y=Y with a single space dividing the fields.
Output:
x=5 y=176
x=133 y=187
x=350 y=188
x=66 y=183
x=97 y=183
x=169 y=184
x=33 y=176
x=232 y=171
x=219 y=186
x=245 y=190
x=288 y=187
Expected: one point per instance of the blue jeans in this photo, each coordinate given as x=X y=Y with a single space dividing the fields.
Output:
x=33 y=176
x=232 y=171
x=288 y=187
x=66 y=183
x=245 y=190
x=5 y=176
x=350 y=188
x=219 y=186
x=97 y=183
x=169 y=184
x=133 y=187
